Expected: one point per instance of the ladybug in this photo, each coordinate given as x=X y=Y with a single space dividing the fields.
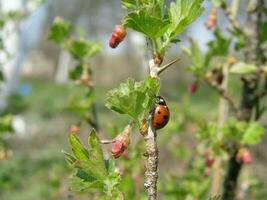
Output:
x=161 y=113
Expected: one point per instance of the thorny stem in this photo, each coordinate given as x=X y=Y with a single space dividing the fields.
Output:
x=223 y=114
x=151 y=175
x=249 y=100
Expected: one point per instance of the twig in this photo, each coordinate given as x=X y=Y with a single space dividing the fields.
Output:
x=225 y=95
x=223 y=114
x=151 y=175
x=232 y=19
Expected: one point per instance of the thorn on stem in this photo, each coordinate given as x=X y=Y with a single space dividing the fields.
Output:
x=161 y=69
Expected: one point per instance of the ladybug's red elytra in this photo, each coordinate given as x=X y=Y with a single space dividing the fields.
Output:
x=161 y=114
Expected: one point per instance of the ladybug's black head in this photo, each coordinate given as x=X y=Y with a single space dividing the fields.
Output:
x=160 y=100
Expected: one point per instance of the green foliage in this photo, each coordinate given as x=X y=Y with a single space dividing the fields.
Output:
x=133 y=98
x=217 y=3
x=181 y=14
x=189 y=187
x=218 y=47
x=149 y=18
x=242 y=132
x=6 y=124
x=129 y=4
x=242 y=68
x=92 y=171
x=198 y=67
x=80 y=104
x=253 y=134
x=82 y=49
x=143 y=22
x=59 y=31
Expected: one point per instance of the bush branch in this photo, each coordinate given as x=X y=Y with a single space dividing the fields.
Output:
x=232 y=19
x=225 y=95
x=151 y=175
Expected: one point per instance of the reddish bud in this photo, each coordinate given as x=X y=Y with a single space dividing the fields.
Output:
x=193 y=87
x=206 y=173
x=209 y=161
x=157 y=59
x=74 y=129
x=231 y=60
x=212 y=20
x=117 y=36
x=125 y=154
x=244 y=155
x=260 y=71
x=247 y=157
x=121 y=142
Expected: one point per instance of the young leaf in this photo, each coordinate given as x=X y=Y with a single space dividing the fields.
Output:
x=217 y=3
x=79 y=185
x=96 y=154
x=81 y=49
x=129 y=4
x=59 y=31
x=133 y=98
x=181 y=14
x=77 y=148
x=253 y=134
x=141 y=21
x=198 y=65
x=243 y=68
x=219 y=46
x=69 y=158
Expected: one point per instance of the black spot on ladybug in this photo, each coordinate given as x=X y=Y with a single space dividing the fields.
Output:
x=165 y=117
x=158 y=112
x=158 y=124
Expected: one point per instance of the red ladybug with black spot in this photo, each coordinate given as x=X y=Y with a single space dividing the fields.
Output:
x=161 y=113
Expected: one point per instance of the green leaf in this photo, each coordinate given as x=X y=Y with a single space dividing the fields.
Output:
x=243 y=68
x=253 y=134
x=79 y=185
x=69 y=158
x=217 y=3
x=6 y=123
x=80 y=104
x=59 y=31
x=96 y=154
x=2 y=78
x=78 y=149
x=83 y=175
x=129 y=4
x=76 y=73
x=133 y=98
x=181 y=14
x=219 y=46
x=198 y=66
x=81 y=49
x=141 y=21
x=263 y=32
x=234 y=130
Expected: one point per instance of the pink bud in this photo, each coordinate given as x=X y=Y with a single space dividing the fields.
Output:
x=247 y=157
x=121 y=142
x=244 y=155
x=209 y=161
x=193 y=87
